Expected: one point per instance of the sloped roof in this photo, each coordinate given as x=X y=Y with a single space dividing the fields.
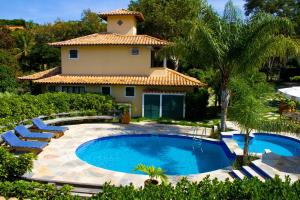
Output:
x=42 y=74
x=172 y=78
x=139 y=16
x=111 y=39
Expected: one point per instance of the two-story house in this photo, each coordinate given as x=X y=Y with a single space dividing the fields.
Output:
x=122 y=64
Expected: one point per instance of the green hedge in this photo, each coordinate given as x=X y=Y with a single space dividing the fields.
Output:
x=206 y=189
x=16 y=108
x=12 y=167
x=32 y=190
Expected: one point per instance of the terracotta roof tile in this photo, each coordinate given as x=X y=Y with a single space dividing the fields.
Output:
x=111 y=39
x=138 y=15
x=172 y=78
x=42 y=74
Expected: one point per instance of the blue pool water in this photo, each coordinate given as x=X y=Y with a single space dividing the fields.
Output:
x=175 y=154
x=277 y=144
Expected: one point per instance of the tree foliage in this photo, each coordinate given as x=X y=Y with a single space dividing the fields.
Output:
x=233 y=46
x=6 y=40
x=14 y=22
x=282 y=8
x=248 y=107
x=167 y=18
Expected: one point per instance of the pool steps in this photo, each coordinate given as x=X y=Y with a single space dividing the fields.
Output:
x=270 y=172
x=261 y=171
x=251 y=173
x=238 y=174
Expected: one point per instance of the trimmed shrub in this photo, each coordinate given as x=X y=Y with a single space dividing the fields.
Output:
x=196 y=104
x=16 y=108
x=207 y=189
x=12 y=167
x=32 y=190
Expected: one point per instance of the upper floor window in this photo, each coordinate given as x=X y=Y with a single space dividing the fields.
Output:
x=155 y=60
x=135 y=51
x=73 y=54
x=129 y=91
x=106 y=90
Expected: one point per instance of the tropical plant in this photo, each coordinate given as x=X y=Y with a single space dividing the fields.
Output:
x=248 y=108
x=24 y=44
x=152 y=172
x=232 y=46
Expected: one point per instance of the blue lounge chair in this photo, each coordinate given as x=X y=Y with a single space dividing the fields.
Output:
x=41 y=126
x=26 y=134
x=19 y=145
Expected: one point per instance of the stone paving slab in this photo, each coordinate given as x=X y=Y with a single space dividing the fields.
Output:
x=58 y=161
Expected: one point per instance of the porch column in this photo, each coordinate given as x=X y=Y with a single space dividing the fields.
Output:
x=165 y=62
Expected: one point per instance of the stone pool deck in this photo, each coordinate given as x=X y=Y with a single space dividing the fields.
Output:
x=59 y=163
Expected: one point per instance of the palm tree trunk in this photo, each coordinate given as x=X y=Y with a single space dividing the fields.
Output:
x=246 y=147
x=225 y=96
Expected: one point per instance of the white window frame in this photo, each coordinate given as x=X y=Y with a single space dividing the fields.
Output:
x=70 y=54
x=160 y=102
x=110 y=92
x=133 y=91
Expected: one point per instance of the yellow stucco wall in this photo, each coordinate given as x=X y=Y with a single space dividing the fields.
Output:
x=128 y=26
x=107 y=60
x=118 y=92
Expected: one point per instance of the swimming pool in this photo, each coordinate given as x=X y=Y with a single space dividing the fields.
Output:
x=278 y=144
x=177 y=155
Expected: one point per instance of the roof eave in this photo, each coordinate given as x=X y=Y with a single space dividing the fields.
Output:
x=118 y=44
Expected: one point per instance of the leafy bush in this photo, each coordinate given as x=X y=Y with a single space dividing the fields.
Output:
x=32 y=190
x=12 y=167
x=14 y=22
x=196 y=104
x=207 y=189
x=295 y=78
x=16 y=108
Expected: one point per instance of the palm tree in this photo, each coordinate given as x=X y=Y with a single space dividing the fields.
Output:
x=232 y=46
x=250 y=94
x=24 y=43
x=153 y=173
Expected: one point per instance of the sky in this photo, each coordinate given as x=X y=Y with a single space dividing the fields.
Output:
x=47 y=11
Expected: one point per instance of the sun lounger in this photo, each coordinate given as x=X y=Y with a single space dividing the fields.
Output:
x=41 y=126
x=26 y=134
x=19 y=145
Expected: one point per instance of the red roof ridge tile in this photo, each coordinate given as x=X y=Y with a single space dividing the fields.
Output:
x=185 y=76
x=111 y=38
x=122 y=11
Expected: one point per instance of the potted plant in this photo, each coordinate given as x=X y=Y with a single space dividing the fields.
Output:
x=125 y=116
x=154 y=173
x=286 y=105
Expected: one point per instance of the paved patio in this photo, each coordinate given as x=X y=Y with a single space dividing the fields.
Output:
x=59 y=163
